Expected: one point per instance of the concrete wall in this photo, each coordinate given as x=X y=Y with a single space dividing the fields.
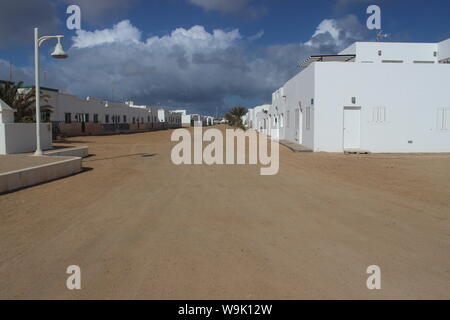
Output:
x=186 y=121
x=391 y=51
x=444 y=50
x=412 y=97
x=19 y=179
x=299 y=92
x=21 y=137
x=6 y=113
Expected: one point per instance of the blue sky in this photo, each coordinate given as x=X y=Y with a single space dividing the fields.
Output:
x=255 y=50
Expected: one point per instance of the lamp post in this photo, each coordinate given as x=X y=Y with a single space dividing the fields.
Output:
x=58 y=53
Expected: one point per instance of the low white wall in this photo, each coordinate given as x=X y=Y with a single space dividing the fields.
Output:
x=21 y=137
x=15 y=180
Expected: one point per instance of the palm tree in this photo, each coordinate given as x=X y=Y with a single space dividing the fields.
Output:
x=23 y=102
x=234 y=117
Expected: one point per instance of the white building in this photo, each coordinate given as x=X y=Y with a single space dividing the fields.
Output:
x=374 y=96
x=73 y=116
x=257 y=118
x=185 y=118
x=20 y=137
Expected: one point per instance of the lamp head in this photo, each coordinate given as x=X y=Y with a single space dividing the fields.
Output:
x=59 y=52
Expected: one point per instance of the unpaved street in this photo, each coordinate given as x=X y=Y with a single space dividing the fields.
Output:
x=142 y=228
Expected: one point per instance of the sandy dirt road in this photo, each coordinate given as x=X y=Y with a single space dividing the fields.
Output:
x=142 y=228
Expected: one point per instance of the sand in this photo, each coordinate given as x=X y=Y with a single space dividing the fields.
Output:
x=140 y=227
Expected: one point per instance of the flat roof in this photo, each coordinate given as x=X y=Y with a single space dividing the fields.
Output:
x=329 y=58
x=42 y=88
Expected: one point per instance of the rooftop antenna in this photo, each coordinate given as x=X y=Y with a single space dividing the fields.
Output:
x=381 y=36
x=10 y=72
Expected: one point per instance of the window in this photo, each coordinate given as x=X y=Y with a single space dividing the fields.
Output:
x=308 y=118
x=124 y=119
x=134 y=120
x=379 y=115
x=95 y=118
x=45 y=116
x=68 y=118
x=443 y=119
x=148 y=119
x=106 y=118
x=142 y=120
x=79 y=117
x=424 y=62
x=86 y=117
x=282 y=120
x=392 y=61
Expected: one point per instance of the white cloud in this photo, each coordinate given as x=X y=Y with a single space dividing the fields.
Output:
x=327 y=26
x=197 y=39
x=337 y=32
x=256 y=36
x=121 y=32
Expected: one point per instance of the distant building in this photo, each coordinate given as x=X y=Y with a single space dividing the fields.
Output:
x=73 y=116
x=185 y=118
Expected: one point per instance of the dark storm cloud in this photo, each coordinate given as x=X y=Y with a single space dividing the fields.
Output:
x=243 y=8
x=95 y=12
x=18 y=18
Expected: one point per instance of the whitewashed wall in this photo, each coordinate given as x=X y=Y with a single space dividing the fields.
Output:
x=410 y=94
x=444 y=50
x=21 y=137
x=407 y=52
x=299 y=93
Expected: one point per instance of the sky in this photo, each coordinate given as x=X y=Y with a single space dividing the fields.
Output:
x=201 y=55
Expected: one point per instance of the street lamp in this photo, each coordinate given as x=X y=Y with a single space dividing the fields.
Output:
x=58 y=53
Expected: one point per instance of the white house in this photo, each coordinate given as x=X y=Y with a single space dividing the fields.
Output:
x=73 y=116
x=185 y=118
x=20 y=137
x=257 y=118
x=373 y=96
